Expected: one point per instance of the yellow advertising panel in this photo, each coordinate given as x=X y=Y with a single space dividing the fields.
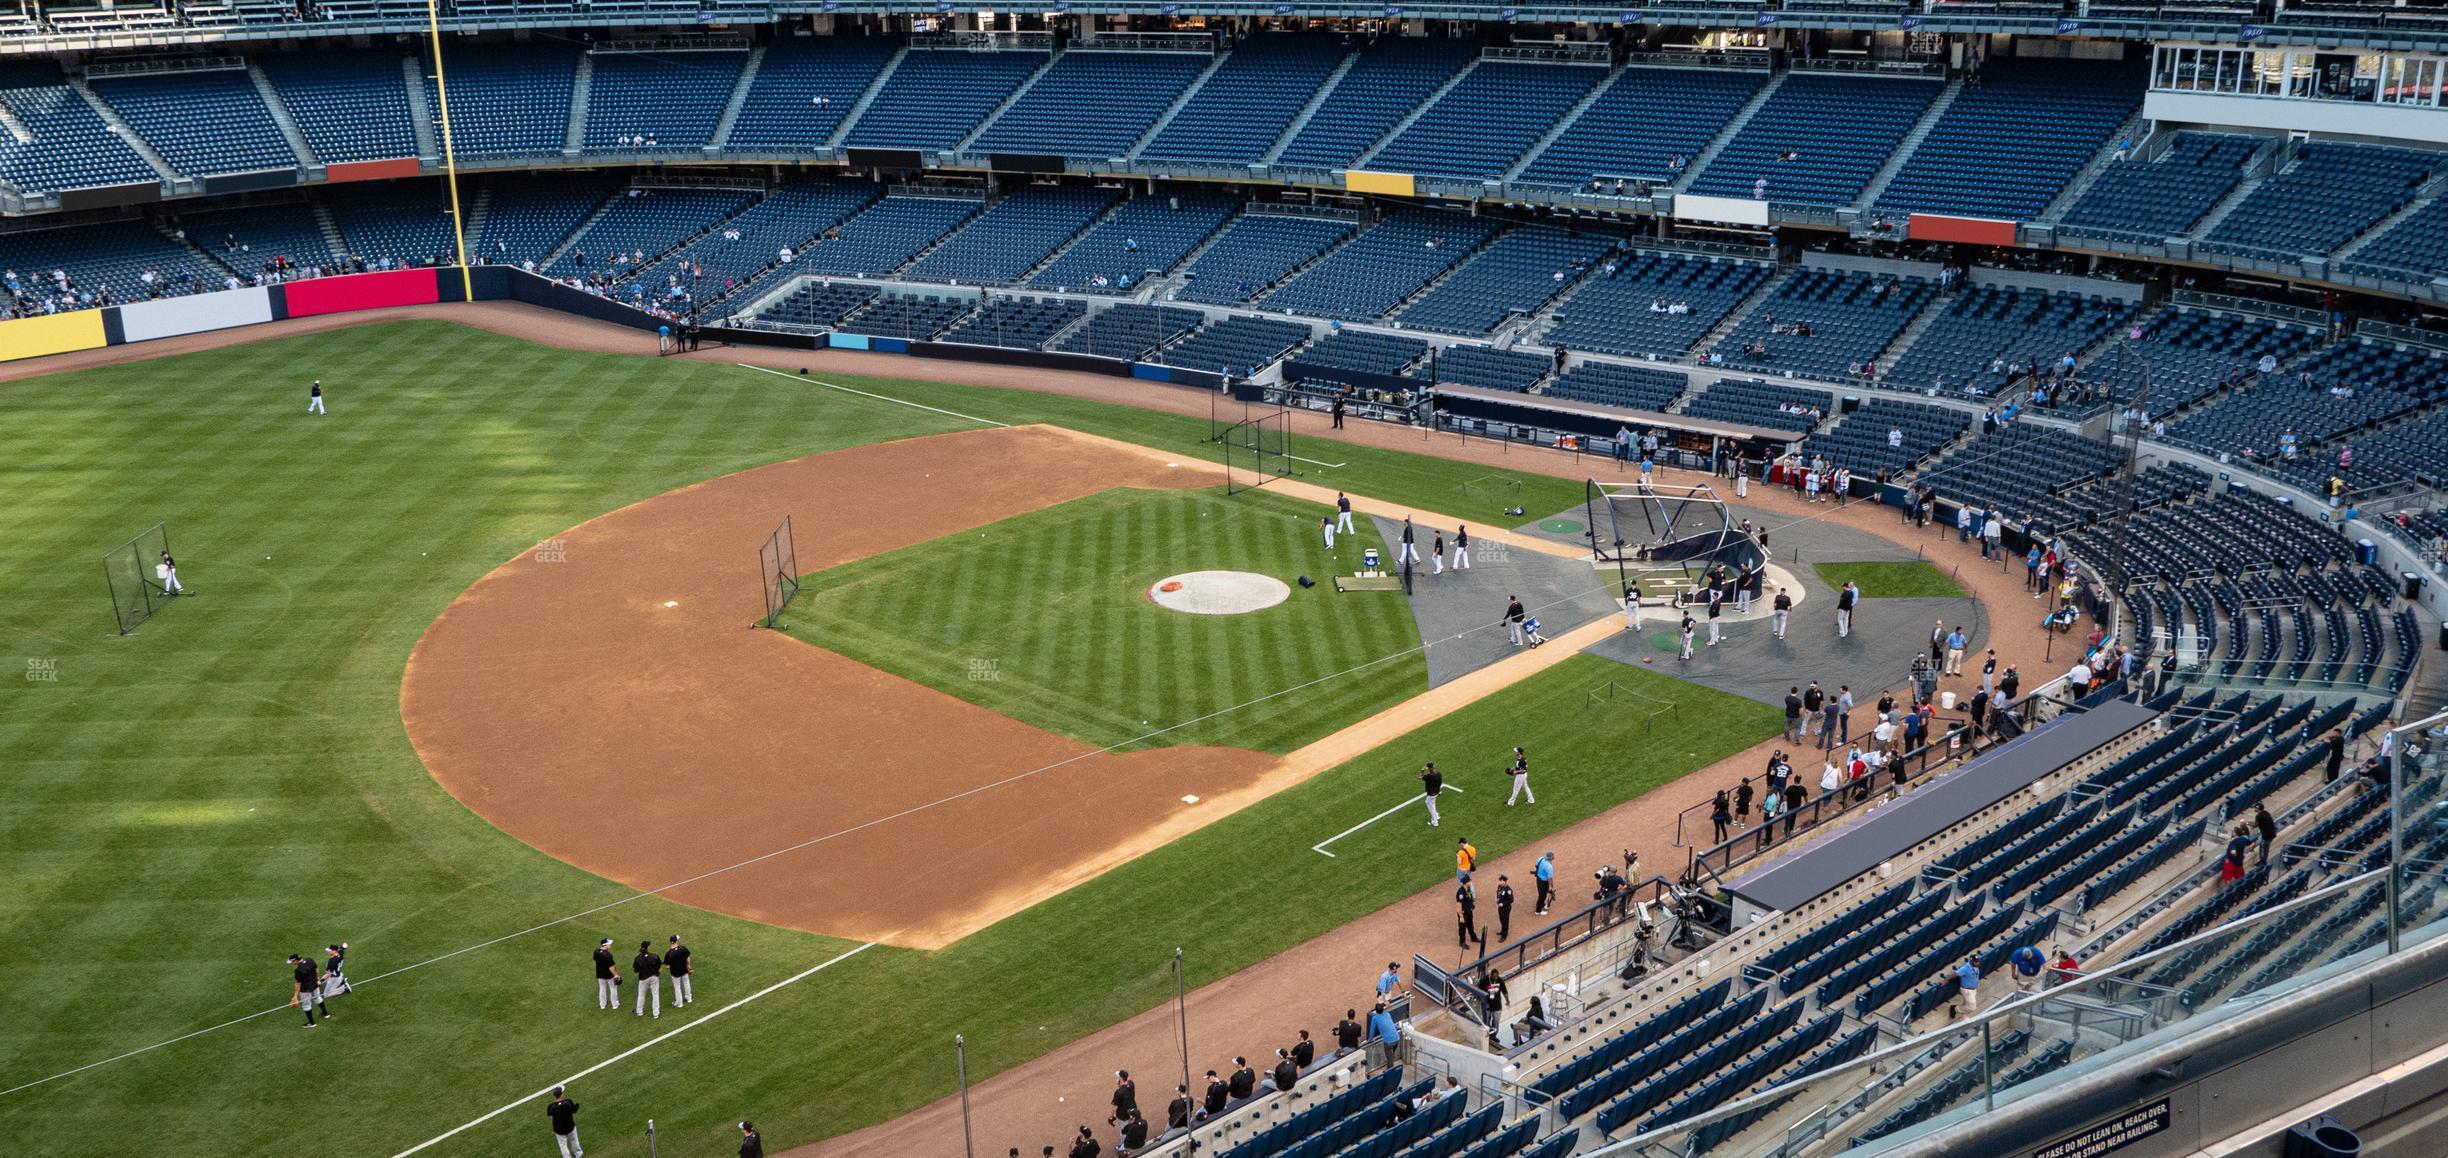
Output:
x=1390 y=184
x=51 y=334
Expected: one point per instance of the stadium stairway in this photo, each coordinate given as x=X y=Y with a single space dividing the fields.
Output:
x=1733 y=128
x=1395 y=131
x=2270 y=164
x=329 y=225
x=721 y=136
x=2137 y=129
x=1741 y=310
x=420 y=110
x=1910 y=144
x=287 y=122
x=473 y=215
x=1173 y=110
x=859 y=109
x=1018 y=91
x=1931 y=311
x=1561 y=125
x=2430 y=192
x=126 y=132
x=567 y=243
x=1317 y=100
x=582 y=94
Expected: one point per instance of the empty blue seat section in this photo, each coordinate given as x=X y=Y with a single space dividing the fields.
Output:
x=1237 y=345
x=1483 y=125
x=1839 y=130
x=1615 y=384
x=1491 y=368
x=202 y=123
x=642 y=224
x=1519 y=272
x=1651 y=302
x=675 y=97
x=113 y=256
x=1378 y=269
x=1129 y=332
x=404 y=222
x=1646 y=118
x=72 y=146
x=2191 y=353
x=917 y=317
x=2015 y=467
x=1851 y=317
x=1017 y=323
x=1250 y=100
x=350 y=106
x=2254 y=421
x=885 y=236
x=804 y=87
x=2416 y=247
x=247 y=239
x=1981 y=327
x=1256 y=251
x=938 y=96
x=2150 y=201
x=2329 y=194
x=1093 y=104
x=1860 y=442
x=1983 y=157
x=817 y=305
x=1389 y=80
x=1756 y=403
x=526 y=218
x=506 y=98
x=1366 y=351
x=2414 y=451
x=1009 y=239
x=1148 y=235
x=794 y=216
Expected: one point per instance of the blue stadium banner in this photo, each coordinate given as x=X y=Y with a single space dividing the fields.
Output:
x=830 y=6
x=943 y=5
x=1507 y=14
x=1627 y=18
x=1393 y=10
x=1766 y=18
x=2250 y=33
x=1909 y=22
x=1170 y=9
x=2066 y=26
x=1286 y=9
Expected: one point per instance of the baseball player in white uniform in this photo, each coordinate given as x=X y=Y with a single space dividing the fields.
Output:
x=1462 y=548
x=1409 y=551
x=607 y=977
x=649 y=970
x=1343 y=519
x=1521 y=779
x=314 y=397
x=167 y=572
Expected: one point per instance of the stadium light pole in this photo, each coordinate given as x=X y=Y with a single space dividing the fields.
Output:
x=450 y=155
x=960 y=1066
x=1181 y=1016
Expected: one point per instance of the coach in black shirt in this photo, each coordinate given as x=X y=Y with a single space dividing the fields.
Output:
x=1286 y=1073
x=607 y=977
x=1244 y=1079
x=564 y=1115
x=1347 y=1032
x=1217 y=1094
x=309 y=995
x=649 y=970
x=1177 y=1115
x=752 y=1144
x=1304 y=1051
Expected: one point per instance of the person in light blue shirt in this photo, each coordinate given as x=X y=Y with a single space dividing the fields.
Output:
x=1389 y=981
x=1967 y=989
x=1384 y=1040
x=1544 y=871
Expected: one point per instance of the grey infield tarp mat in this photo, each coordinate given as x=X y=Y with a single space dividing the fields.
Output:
x=1938 y=805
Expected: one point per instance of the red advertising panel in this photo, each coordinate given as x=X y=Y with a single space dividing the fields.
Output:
x=363 y=291
x=1965 y=230
x=371 y=170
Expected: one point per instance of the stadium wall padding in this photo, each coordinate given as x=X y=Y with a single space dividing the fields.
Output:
x=193 y=314
x=52 y=334
x=362 y=291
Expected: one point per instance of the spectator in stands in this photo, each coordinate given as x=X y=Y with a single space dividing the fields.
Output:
x=2267 y=826
x=2337 y=755
x=2065 y=968
x=1967 y=989
x=2028 y=963
x=1385 y=1038
x=2231 y=866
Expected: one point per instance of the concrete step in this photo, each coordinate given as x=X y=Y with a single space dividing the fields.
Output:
x=739 y=100
x=1317 y=100
x=859 y=108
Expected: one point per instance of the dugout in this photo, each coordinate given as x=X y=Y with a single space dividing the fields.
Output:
x=1503 y=413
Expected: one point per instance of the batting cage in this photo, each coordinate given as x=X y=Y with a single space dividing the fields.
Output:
x=138 y=577
x=1257 y=450
x=1682 y=527
x=778 y=571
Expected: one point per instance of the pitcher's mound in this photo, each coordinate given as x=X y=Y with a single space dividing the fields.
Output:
x=1218 y=592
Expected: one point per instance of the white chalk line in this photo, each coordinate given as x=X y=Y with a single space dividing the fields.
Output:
x=866 y=394
x=1320 y=847
x=634 y=1050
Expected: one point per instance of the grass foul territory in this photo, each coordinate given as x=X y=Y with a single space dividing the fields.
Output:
x=1892 y=580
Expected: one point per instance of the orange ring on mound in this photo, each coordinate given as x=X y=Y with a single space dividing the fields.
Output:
x=1169 y=585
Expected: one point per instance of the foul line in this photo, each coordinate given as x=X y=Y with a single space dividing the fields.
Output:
x=1320 y=847
x=865 y=394
x=634 y=1050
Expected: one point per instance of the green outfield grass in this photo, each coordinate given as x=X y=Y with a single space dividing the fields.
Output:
x=1045 y=618
x=1892 y=580
x=184 y=806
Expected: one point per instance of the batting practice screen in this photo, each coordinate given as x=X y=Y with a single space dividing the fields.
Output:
x=778 y=571
x=135 y=586
x=1257 y=451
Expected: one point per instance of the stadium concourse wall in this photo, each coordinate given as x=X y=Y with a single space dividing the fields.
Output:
x=227 y=309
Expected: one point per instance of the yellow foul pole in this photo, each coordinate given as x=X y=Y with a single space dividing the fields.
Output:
x=450 y=157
